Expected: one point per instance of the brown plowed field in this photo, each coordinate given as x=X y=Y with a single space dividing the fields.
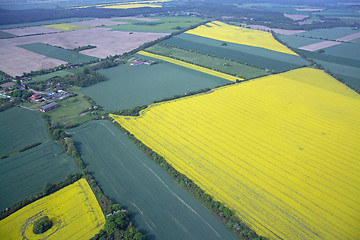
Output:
x=14 y=60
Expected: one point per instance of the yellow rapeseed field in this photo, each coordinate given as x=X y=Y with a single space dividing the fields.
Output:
x=229 y=33
x=66 y=26
x=282 y=151
x=74 y=211
x=138 y=5
x=191 y=66
x=125 y=5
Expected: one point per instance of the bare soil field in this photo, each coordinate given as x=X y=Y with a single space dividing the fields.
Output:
x=14 y=60
x=349 y=37
x=277 y=30
x=99 y=22
x=319 y=45
x=295 y=17
x=30 y=30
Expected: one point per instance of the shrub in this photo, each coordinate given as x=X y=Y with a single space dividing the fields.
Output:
x=42 y=225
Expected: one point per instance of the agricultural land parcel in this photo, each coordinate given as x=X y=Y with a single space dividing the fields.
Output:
x=4 y=34
x=275 y=150
x=130 y=4
x=158 y=24
x=66 y=26
x=210 y=62
x=191 y=66
x=260 y=57
x=130 y=86
x=15 y=60
x=40 y=23
x=250 y=37
x=57 y=53
x=159 y=206
x=342 y=60
x=24 y=174
x=19 y=128
x=74 y=211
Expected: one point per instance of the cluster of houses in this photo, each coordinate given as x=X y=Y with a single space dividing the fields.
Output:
x=60 y=94
x=139 y=62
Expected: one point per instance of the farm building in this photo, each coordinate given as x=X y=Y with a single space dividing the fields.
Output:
x=49 y=107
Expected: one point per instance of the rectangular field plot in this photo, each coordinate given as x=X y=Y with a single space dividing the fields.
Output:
x=256 y=56
x=159 y=206
x=345 y=50
x=281 y=151
x=210 y=62
x=19 y=128
x=297 y=41
x=73 y=210
x=159 y=24
x=57 y=53
x=329 y=33
x=131 y=86
x=24 y=174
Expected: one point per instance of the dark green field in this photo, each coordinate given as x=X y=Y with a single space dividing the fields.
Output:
x=220 y=64
x=160 y=207
x=161 y=24
x=260 y=57
x=19 y=128
x=297 y=41
x=24 y=174
x=345 y=50
x=40 y=23
x=130 y=86
x=4 y=35
x=329 y=33
x=57 y=53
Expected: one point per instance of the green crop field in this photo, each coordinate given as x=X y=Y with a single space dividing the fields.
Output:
x=40 y=23
x=24 y=174
x=260 y=57
x=57 y=53
x=4 y=35
x=350 y=75
x=130 y=86
x=297 y=41
x=331 y=58
x=163 y=24
x=19 y=128
x=345 y=50
x=329 y=33
x=211 y=62
x=159 y=206
x=47 y=76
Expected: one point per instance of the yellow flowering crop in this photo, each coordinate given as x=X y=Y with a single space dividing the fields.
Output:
x=74 y=211
x=191 y=66
x=228 y=33
x=126 y=6
x=66 y=26
x=282 y=151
